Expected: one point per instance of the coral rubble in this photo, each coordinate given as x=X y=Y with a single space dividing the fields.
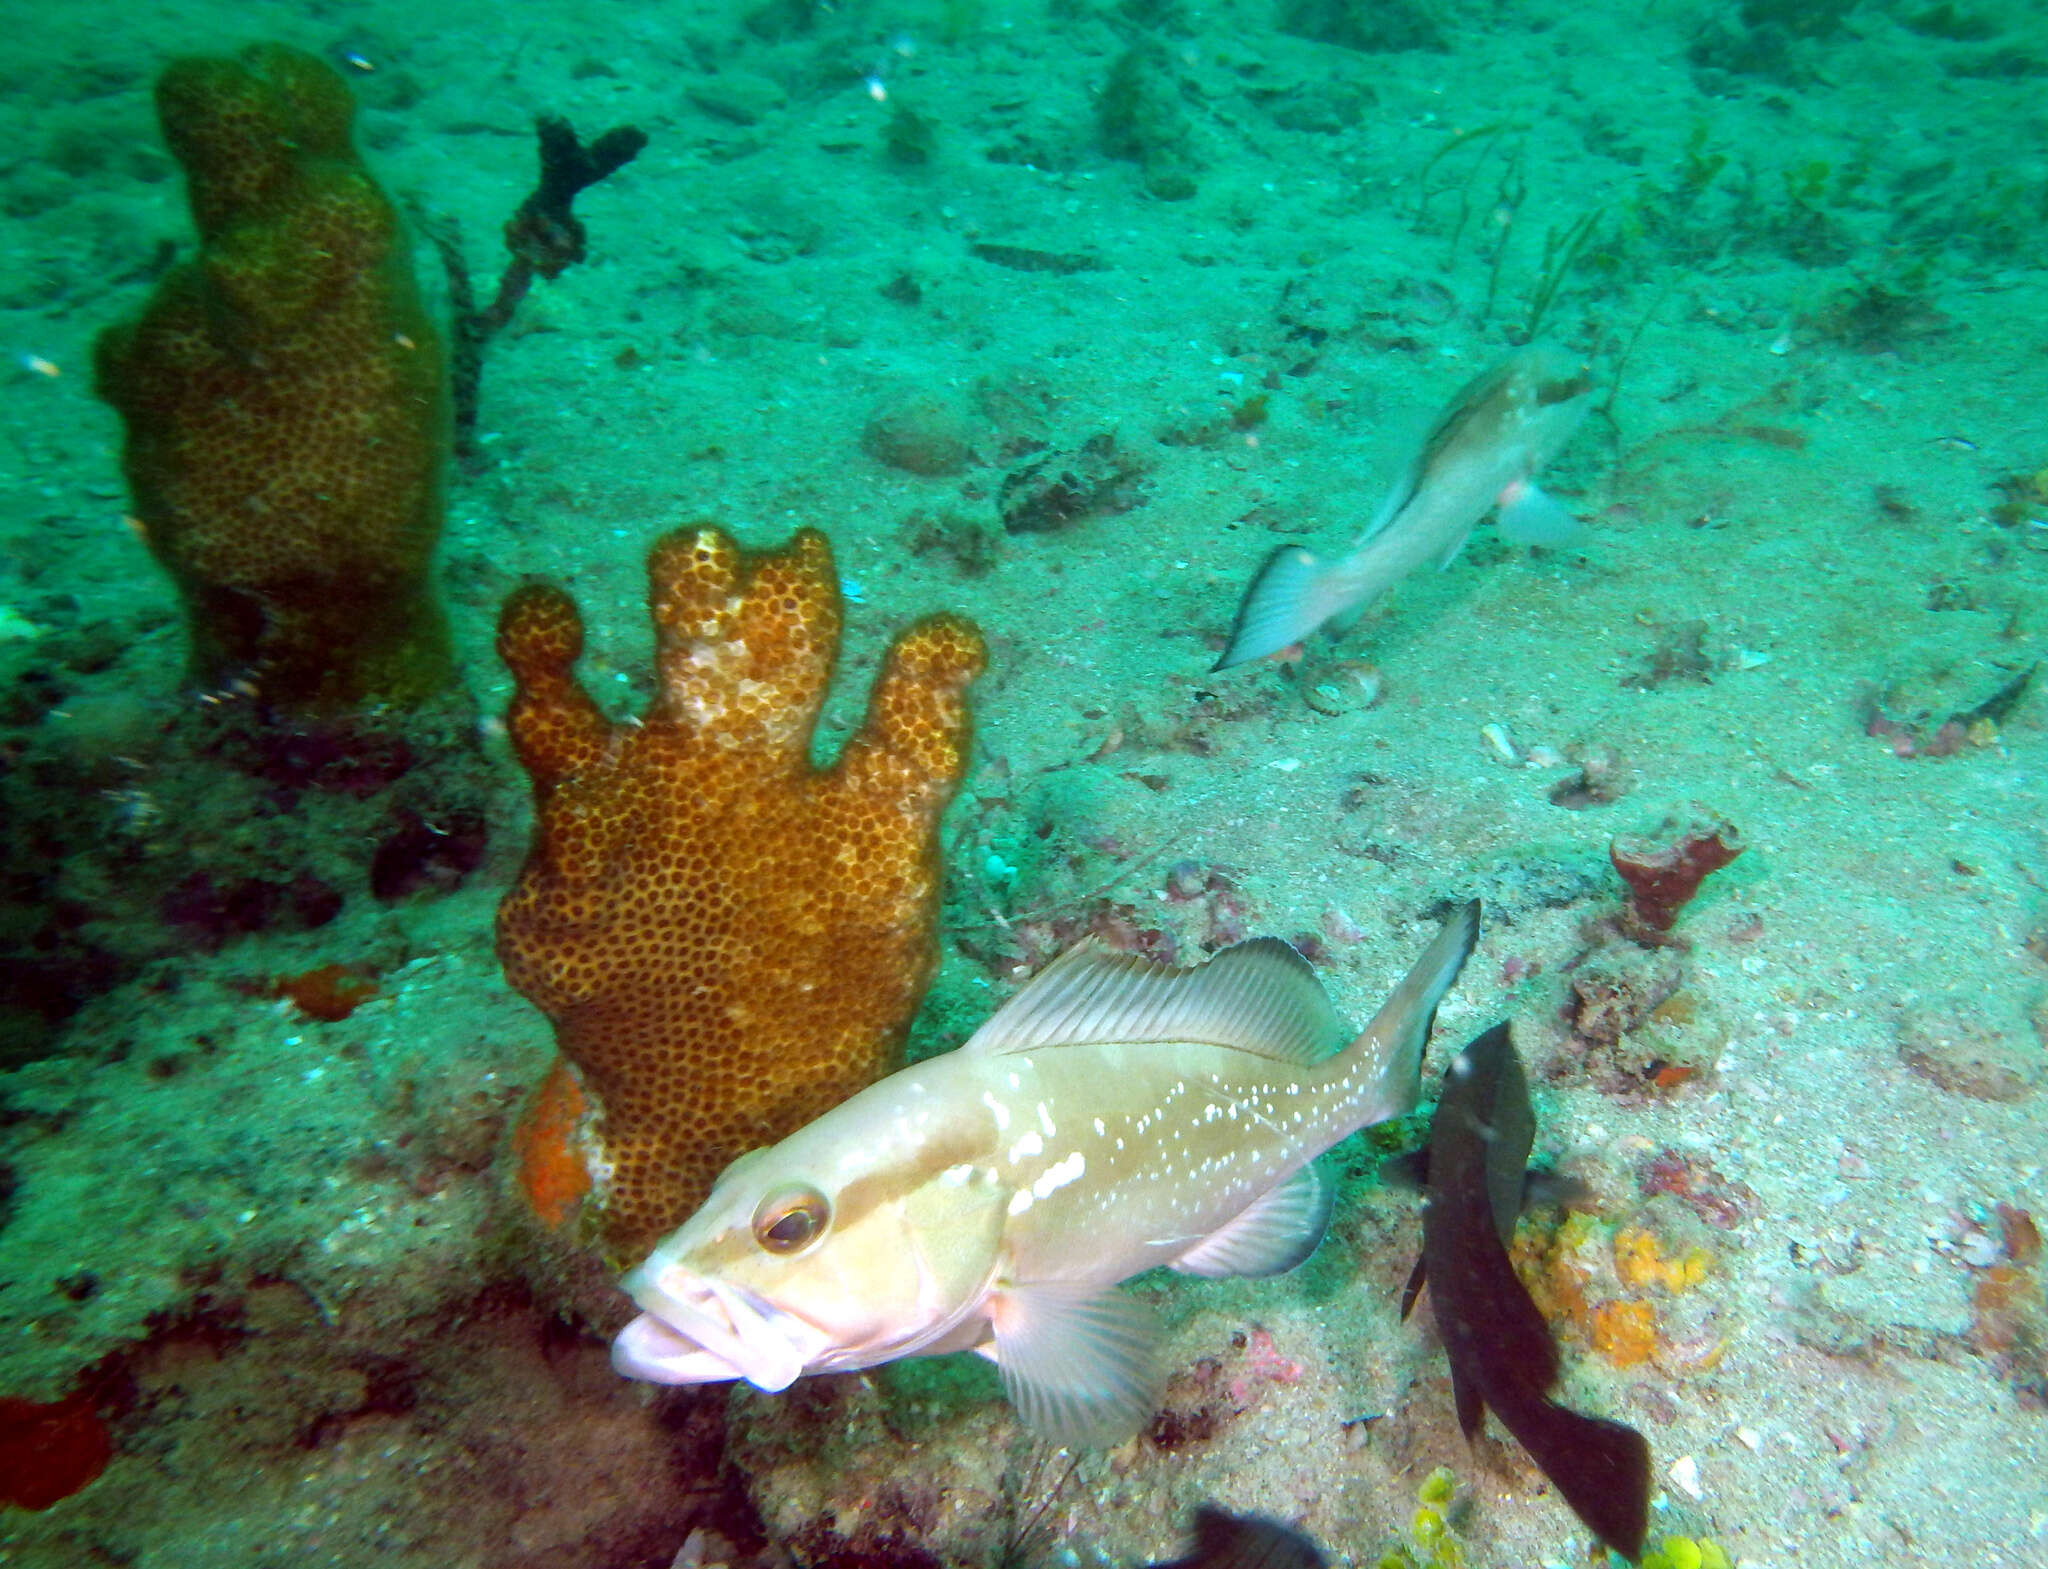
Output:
x=728 y=939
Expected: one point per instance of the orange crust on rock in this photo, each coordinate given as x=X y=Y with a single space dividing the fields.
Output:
x=547 y=1164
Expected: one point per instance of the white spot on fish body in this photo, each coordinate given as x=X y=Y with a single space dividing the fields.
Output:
x=1045 y=1120
x=1100 y=1130
x=1029 y=1144
x=998 y=1110
x=1020 y=1201
x=1059 y=1174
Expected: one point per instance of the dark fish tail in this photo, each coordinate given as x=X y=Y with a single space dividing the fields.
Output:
x=1226 y=1541
x=1600 y=1468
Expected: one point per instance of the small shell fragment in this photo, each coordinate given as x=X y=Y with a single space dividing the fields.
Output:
x=1685 y=1476
x=1325 y=698
x=1345 y=686
x=1501 y=745
x=1978 y=1250
x=1338 y=925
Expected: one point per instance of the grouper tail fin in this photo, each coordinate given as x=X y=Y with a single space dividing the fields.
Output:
x=1295 y=592
x=1386 y=1059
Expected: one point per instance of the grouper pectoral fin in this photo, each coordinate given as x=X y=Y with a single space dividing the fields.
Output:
x=1529 y=517
x=1080 y=1360
x=1277 y=1231
x=1226 y=1541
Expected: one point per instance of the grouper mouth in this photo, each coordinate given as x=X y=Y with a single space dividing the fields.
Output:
x=692 y=1330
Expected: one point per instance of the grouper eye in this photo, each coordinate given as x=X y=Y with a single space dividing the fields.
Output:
x=790 y=1219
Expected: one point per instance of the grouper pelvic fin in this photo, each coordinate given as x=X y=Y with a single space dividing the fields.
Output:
x=1529 y=517
x=1277 y=1232
x=1260 y=996
x=1080 y=1360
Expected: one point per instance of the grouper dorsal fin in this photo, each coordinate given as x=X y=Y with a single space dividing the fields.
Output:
x=1260 y=996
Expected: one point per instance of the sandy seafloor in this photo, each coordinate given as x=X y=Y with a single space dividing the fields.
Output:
x=290 y=1234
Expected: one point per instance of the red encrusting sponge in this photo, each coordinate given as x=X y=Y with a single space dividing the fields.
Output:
x=48 y=1452
x=1664 y=870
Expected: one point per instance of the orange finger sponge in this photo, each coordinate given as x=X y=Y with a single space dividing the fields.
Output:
x=285 y=399
x=728 y=939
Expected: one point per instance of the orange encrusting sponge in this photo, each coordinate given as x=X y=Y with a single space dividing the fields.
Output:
x=1625 y=1331
x=1562 y=1269
x=1639 y=1260
x=729 y=940
x=285 y=398
x=547 y=1159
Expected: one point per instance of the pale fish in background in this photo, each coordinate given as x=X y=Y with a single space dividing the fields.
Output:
x=1115 y=1115
x=1484 y=451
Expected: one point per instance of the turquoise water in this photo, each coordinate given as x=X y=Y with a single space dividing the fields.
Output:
x=1066 y=317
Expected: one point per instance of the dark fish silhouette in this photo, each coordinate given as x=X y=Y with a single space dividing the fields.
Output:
x=1223 y=1540
x=1501 y=1352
